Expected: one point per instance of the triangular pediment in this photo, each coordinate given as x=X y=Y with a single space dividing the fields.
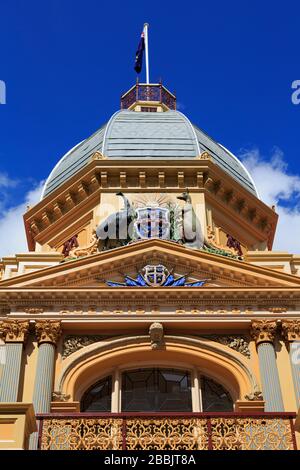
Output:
x=97 y=269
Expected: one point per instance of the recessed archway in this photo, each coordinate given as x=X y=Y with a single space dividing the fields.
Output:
x=227 y=367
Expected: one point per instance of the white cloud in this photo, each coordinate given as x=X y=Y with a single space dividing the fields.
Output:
x=6 y=182
x=276 y=186
x=12 y=232
x=274 y=183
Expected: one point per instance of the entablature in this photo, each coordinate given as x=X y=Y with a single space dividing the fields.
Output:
x=82 y=192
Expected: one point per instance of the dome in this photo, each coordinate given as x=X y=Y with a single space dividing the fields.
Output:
x=147 y=135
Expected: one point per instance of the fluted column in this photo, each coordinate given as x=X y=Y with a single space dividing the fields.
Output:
x=48 y=333
x=291 y=335
x=263 y=332
x=15 y=334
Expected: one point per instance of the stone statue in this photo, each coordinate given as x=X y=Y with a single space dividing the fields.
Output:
x=117 y=229
x=192 y=235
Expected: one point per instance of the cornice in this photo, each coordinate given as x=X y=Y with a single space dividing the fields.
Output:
x=274 y=256
x=266 y=296
x=203 y=175
x=168 y=251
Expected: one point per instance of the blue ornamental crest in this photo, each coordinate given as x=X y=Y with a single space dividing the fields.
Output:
x=152 y=222
x=156 y=276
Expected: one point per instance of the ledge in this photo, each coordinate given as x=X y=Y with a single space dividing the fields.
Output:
x=17 y=422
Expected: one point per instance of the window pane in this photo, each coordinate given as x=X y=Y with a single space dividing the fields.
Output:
x=156 y=390
x=214 y=396
x=98 y=397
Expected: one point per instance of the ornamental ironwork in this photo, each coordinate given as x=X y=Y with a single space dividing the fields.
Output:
x=156 y=276
x=187 y=431
x=144 y=92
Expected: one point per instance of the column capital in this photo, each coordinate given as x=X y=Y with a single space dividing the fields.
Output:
x=48 y=331
x=14 y=331
x=263 y=331
x=290 y=330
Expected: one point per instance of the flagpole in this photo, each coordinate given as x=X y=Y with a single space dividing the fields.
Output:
x=146 y=26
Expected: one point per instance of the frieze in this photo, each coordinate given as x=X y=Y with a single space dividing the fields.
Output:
x=4 y=311
x=277 y=309
x=73 y=343
x=34 y=310
x=236 y=342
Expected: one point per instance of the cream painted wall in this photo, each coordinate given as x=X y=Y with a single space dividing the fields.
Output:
x=285 y=376
x=31 y=355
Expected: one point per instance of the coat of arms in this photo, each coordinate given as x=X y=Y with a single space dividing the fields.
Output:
x=153 y=222
x=155 y=275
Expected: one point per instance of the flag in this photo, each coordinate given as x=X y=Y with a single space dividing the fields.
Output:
x=139 y=54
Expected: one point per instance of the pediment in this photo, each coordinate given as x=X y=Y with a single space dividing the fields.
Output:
x=97 y=269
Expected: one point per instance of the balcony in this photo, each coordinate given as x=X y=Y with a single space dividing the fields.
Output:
x=143 y=93
x=175 y=431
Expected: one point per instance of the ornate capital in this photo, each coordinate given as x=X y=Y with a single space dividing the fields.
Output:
x=291 y=330
x=14 y=331
x=263 y=331
x=48 y=331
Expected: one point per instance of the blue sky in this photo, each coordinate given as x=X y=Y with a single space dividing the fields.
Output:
x=65 y=64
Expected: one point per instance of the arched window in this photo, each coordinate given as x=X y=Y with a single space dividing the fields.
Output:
x=214 y=396
x=157 y=389
x=98 y=396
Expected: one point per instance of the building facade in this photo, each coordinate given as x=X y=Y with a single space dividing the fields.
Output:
x=150 y=311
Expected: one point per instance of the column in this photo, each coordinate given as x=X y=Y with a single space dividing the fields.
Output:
x=263 y=332
x=291 y=335
x=48 y=333
x=196 y=391
x=115 y=399
x=15 y=333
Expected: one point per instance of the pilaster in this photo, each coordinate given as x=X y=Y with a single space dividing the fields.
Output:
x=15 y=334
x=48 y=333
x=291 y=335
x=263 y=332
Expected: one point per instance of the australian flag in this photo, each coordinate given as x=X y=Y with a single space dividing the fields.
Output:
x=139 y=54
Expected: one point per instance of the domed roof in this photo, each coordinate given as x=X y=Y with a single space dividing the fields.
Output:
x=147 y=135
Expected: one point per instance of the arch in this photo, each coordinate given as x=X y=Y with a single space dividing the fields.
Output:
x=226 y=366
